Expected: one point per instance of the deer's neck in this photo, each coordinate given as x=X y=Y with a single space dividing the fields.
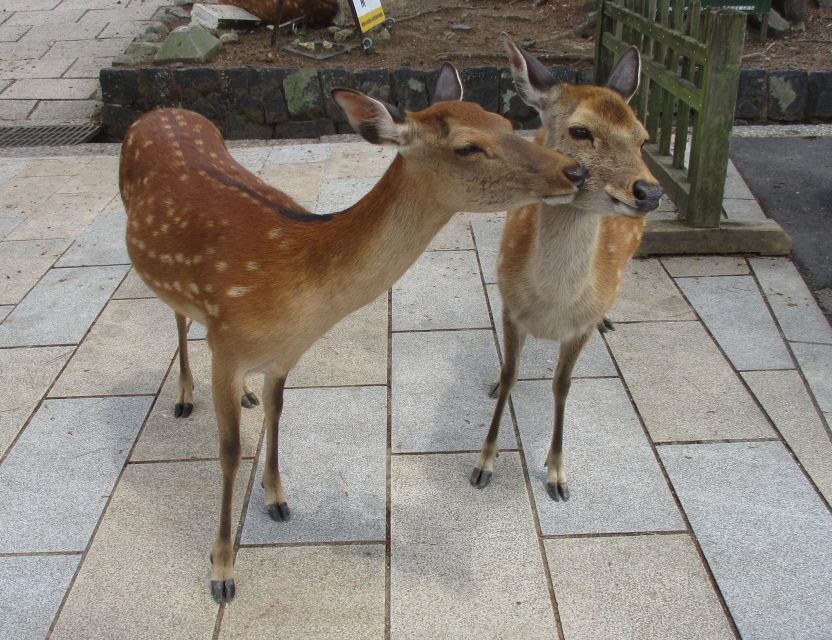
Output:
x=562 y=261
x=377 y=239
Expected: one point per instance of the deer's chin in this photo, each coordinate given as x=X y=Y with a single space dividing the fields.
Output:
x=621 y=208
x=567 y=198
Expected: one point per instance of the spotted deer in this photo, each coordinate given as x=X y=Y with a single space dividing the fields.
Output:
x=560 y=266
x=268 y=278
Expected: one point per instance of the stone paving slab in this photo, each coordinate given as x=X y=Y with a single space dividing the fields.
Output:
x=687 y=266
x=23 y=263
x=4 y=311
x=19 y=69
x=333 y=463
x=64 y=215
x=27 y=374
x=51 y=89
x=646 y=586
x=128 y=350
x=765 y=534
x=293 y=153
x=442 y=290
x=314 y=593
x=8 y=224
x=150 y=554
x=681 y=384
x=132 y=287
x=197 y=436
x=61 y=307
x=816 y=362
x=23 y=194
x=487 y=233
x=64 y=111
x=736 y=315
x=648 y=293
x=539 y=358
x=793 y=304
x=80 y=445
x=100 y=243
x=33 y=589
x=440 y=391
x=301 y=181
x=455 y=235
x=464 y=559
x=338 y=194
x=785 y=399
x=615 y=482
x=358 y=161
x=353 y=352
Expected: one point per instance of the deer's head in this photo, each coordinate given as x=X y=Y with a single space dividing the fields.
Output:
x=597 y=127
x=470 y=158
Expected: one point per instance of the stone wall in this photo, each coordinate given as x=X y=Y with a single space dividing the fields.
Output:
x=263 y=103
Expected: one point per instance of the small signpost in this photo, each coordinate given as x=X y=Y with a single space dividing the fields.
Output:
x=368 y=14
x=757 y=7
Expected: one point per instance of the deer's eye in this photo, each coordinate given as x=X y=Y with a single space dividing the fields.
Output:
x=580 y=133
x=468 y=149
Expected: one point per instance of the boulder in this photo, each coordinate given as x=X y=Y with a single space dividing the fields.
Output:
x=191 y=43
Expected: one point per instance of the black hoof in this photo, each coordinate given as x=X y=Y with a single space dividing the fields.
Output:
x=557 y=491
x=249 y=400
x=495 y=390
x=480 y=478
x=606 y=325
x=182 y=410
x=279 y=512
x=222 y=591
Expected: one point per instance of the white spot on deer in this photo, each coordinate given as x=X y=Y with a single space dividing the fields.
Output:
x=251 y=265
x=210 y=250
x=166 y=285
x=209 y=288
x=183 y=177
x=147 y=144
x=165 y=258
x=238 y=292
x=179 y=258
x=275 y=233
x=193 y=286
x=141 y=244
x=221 y=266
x=134 y=224
x=151 y=253
x=212 y=309
x=177 y=285
x=197 y=259
x=148 y=219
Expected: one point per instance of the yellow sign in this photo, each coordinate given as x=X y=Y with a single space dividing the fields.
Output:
x=368 y=13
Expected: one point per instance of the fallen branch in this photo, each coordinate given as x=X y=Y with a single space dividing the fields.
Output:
x=427 y=12
x=544 y=55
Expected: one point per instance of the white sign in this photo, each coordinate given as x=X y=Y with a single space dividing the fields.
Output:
x=368 y=13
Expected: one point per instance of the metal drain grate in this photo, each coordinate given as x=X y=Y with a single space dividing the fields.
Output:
x=47 y=136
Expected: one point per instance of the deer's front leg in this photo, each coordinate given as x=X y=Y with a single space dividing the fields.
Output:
x=513 y=337
x=227 y=385
x=556 y=485
x=276 y=503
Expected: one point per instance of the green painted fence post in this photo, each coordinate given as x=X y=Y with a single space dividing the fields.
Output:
x=709 y=150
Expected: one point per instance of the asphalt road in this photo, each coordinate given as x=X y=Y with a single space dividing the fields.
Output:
x=792 y=179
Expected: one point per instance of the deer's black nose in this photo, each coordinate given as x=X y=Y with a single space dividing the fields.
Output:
x=576 y=174
x=647 y=195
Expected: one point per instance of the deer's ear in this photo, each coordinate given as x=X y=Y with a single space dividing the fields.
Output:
x=624 y=78
x=531 y=79
x=448 y=85
x=374 y=120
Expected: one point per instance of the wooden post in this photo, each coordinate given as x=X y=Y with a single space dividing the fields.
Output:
x=599 y=70
x=709 y=152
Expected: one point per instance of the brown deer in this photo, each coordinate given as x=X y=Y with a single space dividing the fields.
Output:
x=560 y=266
x=268 y=278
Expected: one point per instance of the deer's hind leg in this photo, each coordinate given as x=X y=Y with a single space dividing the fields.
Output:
x=513 y=337
x=185 y=401
x=227 y=386
x=556 y=485
x=276 y=503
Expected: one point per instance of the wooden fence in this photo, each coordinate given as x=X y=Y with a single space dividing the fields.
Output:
x=690 y=64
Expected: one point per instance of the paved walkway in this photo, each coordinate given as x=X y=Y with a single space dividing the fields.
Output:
x=52 y=50
x=697 y=446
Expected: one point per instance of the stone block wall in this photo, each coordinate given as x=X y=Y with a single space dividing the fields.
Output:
x=268 y=102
